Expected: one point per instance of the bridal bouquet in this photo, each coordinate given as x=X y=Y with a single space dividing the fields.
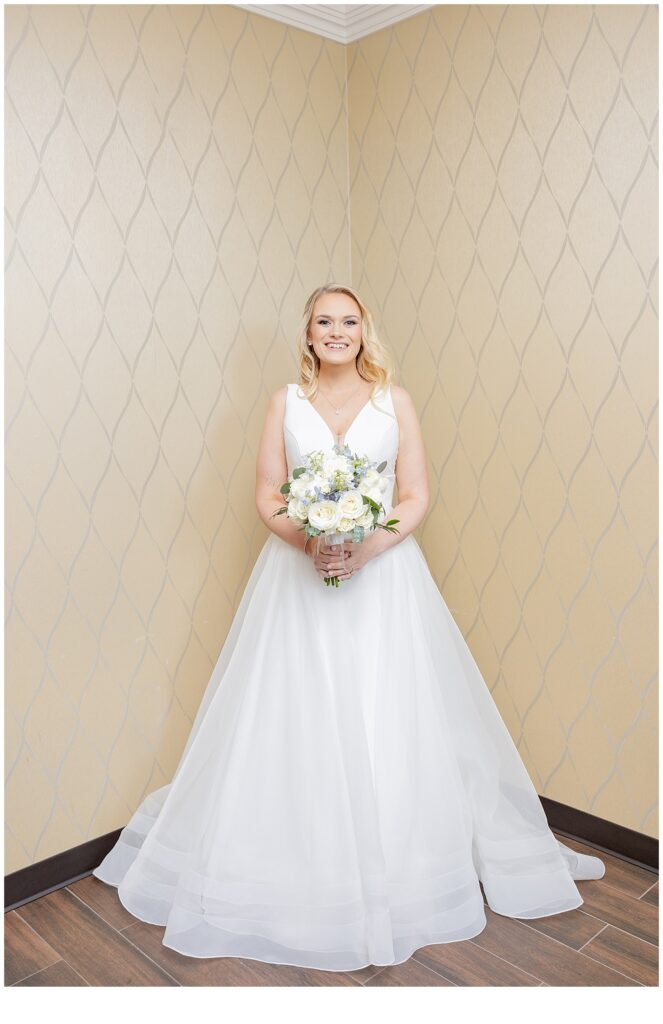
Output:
x=336 y=495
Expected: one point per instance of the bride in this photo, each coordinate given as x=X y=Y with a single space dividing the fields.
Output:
x=341 y=367
x=348 y=786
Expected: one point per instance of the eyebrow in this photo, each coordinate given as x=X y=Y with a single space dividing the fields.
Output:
x=347 y=315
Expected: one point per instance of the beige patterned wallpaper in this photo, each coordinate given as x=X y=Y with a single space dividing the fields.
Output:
x=177 y=180
x=503 y=165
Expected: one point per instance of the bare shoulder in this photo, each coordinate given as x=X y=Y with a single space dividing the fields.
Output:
x=277 y=402
x=403 y=405
x=275 y=413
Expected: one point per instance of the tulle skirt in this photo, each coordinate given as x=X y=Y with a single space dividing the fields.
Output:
x=347 y=783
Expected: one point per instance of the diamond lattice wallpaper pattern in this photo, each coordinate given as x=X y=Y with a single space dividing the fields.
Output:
x=176 y=185
x=177 y=180
x=503 y=165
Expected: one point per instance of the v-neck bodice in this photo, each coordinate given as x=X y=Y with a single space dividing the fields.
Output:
x=337 y=440
x=373 y=432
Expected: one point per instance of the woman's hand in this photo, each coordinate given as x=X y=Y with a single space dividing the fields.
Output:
x=329 y=562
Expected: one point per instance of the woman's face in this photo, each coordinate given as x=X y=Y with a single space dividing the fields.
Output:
x=336 y=321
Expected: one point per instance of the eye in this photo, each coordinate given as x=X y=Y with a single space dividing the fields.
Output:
x=325 y=321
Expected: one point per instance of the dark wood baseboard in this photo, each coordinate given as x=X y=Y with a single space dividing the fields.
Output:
x=63 y=868
x=45 y=876
x=603 y=835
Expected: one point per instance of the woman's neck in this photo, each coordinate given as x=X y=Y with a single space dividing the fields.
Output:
x=339 y=380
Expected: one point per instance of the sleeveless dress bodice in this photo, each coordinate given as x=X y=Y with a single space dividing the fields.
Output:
x=373 y=432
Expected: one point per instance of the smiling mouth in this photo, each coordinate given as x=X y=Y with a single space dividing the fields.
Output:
x=335 y=344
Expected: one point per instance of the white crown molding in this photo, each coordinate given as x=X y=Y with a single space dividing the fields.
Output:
x=344 y=23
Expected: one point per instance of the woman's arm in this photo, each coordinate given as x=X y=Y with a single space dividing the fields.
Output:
x=411 y=477
x=272 y=473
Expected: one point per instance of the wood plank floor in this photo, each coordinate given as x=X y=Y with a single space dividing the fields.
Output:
x=82 y=935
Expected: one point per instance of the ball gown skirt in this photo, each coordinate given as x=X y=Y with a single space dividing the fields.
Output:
x=348 y=780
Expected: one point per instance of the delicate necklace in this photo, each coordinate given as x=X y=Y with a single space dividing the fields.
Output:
x=337 y=411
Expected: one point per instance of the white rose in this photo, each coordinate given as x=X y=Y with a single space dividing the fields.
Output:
x=370 y=481
x=300 y=487
x=323 y=514
x=366 y=519
x=297 y=509
x=350 y=504
x=375 y=493
x=345 y=525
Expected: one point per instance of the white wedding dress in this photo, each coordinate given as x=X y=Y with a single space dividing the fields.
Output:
x=348 y=779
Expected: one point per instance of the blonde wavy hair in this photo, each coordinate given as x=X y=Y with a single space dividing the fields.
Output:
x=374 y=361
